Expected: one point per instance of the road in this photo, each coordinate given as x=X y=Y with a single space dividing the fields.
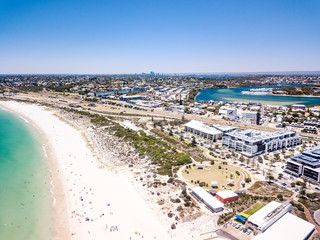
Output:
x=66 y=100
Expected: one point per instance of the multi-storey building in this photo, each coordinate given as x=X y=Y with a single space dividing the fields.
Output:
x=202 y=130
x=252 y=142
x=306 y=164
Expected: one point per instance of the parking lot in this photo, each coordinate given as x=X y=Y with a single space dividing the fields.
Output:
x=238 y=230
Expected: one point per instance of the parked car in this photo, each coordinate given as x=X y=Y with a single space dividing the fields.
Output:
x=241 y=228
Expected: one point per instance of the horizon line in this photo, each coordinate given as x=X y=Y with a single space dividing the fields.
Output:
x=172 y=73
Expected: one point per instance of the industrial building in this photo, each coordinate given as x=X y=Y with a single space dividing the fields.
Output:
x=210 y=201
x=252 y=142
x=202 y=130
x=226 y=196
x=306 y=164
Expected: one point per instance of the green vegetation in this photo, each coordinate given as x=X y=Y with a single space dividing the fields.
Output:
x=303 y=90
x=160 y=152
x=255 y=208
x=204 y=175
x=192 y=94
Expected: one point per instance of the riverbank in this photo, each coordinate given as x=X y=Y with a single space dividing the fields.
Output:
x=285 y=95
x=235 y=95
x=90 y=201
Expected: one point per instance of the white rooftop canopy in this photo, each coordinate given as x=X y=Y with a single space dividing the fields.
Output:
x=288 y=227
x=208 y=198
x=200 y=126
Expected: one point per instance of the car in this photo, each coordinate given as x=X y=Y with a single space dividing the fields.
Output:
x=297 y=190
x=238 y=226
x=317 y=188
x=249 y=231
x=241 y=228
x=234 y=224
x=245 y=230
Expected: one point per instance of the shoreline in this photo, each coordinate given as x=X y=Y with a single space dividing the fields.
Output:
x=60 y=229
x=91 y=199
x=297 y=96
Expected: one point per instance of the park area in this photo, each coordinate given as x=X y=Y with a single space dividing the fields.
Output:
x=214 y=177
x=254 y=208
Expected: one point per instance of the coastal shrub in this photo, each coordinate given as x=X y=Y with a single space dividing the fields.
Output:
x=160 y=153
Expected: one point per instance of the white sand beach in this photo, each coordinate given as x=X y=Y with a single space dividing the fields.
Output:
x=91 y=202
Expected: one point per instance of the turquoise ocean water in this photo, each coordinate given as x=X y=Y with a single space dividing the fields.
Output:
x=25 y=199
x=234 y=94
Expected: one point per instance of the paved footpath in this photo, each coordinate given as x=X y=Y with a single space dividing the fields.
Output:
x=308 y=215
x=317 y=216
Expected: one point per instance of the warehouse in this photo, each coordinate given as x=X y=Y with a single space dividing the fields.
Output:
x=211 y=202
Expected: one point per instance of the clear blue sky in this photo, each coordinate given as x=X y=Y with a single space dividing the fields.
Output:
x=167 y=36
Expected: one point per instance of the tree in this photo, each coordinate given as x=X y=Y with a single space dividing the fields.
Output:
x=193 y=142
x=270 y=177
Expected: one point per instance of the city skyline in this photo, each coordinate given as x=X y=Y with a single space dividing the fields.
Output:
x=125 y=37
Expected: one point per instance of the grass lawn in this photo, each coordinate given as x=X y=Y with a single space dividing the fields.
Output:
x=211 y=173
x=255 y=208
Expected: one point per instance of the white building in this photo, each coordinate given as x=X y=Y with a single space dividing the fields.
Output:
x=288 y=227
x=202 y=130
x=210 y=201
x=231 y=114
x=252 y=142
x=224 y=129
x=268 y=215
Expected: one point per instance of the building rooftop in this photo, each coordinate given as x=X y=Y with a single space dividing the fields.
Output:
x=310 y=157
x=227 y=194
x=202 y=127
x=224 y=128
x=288 y=227
x=259 y=217
x=208 y=198
x=251 y=135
